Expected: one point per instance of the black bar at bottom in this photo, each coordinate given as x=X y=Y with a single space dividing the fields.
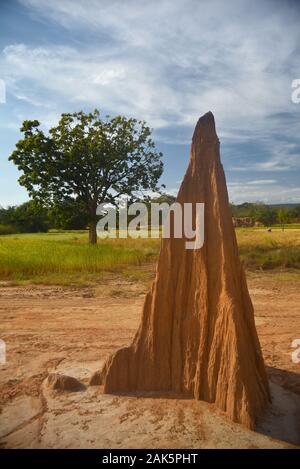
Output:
x=139 y=457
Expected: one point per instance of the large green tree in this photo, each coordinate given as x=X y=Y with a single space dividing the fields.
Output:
x=92 y=159
x=68 y=215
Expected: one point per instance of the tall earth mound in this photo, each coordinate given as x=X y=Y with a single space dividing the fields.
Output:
x=197 y=335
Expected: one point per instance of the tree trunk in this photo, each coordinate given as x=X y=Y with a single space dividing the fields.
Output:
x=92 y=232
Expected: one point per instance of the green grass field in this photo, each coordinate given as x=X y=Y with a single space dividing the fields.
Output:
x=260 y=249
x=65 y=257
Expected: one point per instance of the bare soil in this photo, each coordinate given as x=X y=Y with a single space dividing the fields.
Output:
x=72 y=330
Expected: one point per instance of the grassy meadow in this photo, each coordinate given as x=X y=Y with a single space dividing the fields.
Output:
x=66 y=257
x=260 y=249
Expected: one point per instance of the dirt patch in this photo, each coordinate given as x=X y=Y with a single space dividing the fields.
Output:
x=72 y=330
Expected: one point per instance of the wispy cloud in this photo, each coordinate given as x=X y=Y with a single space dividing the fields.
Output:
x=240 y=192
x=256 y=182
x=169 y=62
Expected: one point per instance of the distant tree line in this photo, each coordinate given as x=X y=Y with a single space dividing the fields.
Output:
x=31 y=217
x=71 y=214
x=267 y=215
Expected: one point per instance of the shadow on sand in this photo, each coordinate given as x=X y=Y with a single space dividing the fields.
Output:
x=282 y=419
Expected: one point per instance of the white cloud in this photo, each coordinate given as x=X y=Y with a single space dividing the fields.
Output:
x=256 y=190
x=259 y=182
x=168 y=62
x=241 y=192
x=282 y=157
x=107 y=76
x=62 y=74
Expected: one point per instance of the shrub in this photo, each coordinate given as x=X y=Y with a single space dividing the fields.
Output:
x=7 y=229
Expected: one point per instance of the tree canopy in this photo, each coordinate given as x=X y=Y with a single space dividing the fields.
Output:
x=89 y=158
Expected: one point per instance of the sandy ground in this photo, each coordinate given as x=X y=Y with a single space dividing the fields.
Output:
x=72 y=330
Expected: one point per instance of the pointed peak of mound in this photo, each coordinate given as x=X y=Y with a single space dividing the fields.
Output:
x=205 y=130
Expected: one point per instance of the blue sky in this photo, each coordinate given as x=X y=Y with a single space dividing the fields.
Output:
x=168 y=62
